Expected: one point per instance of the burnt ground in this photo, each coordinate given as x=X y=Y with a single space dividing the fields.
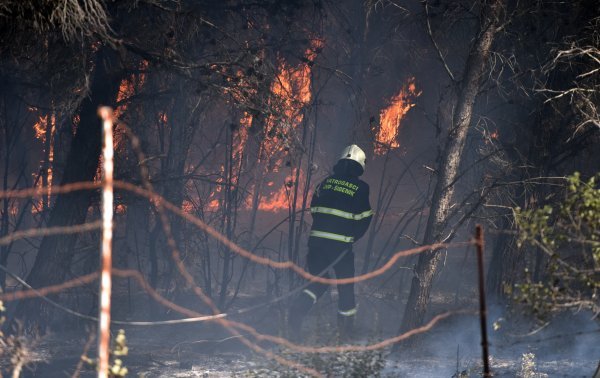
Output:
x=178 y=354
x=568 y=347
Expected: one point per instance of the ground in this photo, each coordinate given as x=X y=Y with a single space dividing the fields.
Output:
x=561 y=349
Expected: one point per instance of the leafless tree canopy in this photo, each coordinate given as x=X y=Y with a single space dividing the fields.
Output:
x=73 y=18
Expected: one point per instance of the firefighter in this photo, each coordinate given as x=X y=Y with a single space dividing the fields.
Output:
x=341 y=215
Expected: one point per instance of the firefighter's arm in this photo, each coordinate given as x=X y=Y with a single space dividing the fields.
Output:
x=363 y=212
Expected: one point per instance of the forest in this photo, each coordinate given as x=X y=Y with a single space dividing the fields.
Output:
x=158 y=159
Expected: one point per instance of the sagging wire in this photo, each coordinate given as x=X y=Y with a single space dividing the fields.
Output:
x=93 y=276
x=274 y=339
x=37 y=293
x=160 y=202
x=80 y=281
x=48 y=231
x=252 y=331
x=283 y=264
x=176 y=257
x=22 y=193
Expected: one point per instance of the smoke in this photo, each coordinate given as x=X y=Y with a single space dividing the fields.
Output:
x=567 y=346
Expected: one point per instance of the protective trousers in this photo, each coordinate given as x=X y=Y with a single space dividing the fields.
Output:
x=322 y=256
x=318 y=261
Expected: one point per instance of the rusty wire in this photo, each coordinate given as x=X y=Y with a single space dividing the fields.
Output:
x=47 y=231
x=161 y=204
x=176 y=256
x=158 y=200
x=231 y=326
x=161 y=201
x=138 y=277
x=43 y=190
x=86 y=279
x=49 y=290
x=351 y=348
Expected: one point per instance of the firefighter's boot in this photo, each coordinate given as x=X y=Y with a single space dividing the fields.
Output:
x=345 y=324
x=296 y=315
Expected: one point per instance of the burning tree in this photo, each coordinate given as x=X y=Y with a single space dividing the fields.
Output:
x=390 y=118
x=385 y=141
x=145 y=67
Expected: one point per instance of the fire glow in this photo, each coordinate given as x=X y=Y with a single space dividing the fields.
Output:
x=45 y=129
x=390 y=118
x=290 y=93
x=280 y=199
x=128 y=88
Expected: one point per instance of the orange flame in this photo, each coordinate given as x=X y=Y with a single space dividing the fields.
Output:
x=240 y=137
x=290 y=94
x=188 y=206
x=214 y=200
x=277 y=201
x=13 y=208
x=45 y=129
x=490 y=137
x=390 y=118
x=129 y=87
x=281 y=198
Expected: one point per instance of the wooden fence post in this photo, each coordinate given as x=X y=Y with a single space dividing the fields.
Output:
x=479 y=242
x=106 y=114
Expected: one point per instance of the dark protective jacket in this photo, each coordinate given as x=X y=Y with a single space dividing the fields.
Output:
x=340 y=209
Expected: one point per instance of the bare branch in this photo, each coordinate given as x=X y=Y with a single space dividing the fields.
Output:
x=437 y=48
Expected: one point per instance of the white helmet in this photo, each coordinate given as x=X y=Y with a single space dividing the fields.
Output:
x=353 y=152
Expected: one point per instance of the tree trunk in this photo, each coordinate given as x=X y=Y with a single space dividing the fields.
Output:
x=56 y=252
x=12 y=109
x=229 y=208
x=183 y=123
x=449 y=163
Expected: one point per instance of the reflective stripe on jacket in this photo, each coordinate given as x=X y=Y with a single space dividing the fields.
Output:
x=340 y=209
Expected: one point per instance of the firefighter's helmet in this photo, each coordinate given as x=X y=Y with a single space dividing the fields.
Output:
x=354 y=153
